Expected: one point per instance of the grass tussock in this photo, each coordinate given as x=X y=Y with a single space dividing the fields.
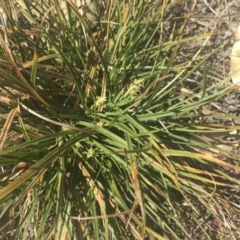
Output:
x=101 y=135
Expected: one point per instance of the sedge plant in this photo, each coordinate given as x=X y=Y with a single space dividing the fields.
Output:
x=101 y=138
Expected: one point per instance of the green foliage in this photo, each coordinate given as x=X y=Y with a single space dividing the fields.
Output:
x=96 y=138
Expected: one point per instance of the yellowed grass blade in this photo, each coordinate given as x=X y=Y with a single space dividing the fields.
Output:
x=201 y=156
x=98 y=194
x=138 y=197
x=7 y=126
x=6 y=100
